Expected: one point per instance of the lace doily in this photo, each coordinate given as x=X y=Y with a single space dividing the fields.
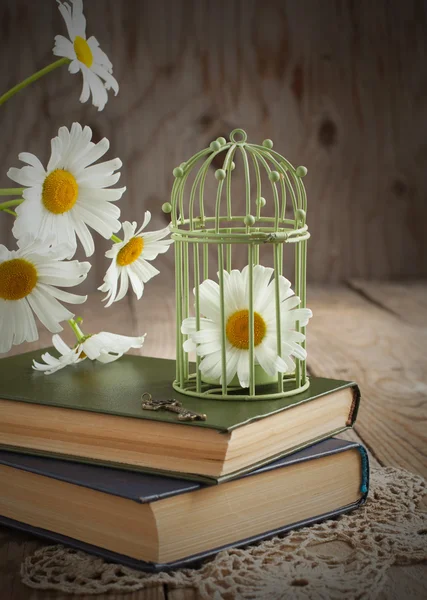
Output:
x=390 y=529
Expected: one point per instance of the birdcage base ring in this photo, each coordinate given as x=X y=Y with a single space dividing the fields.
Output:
x=236 y=393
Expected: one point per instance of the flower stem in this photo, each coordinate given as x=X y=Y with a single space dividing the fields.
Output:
x=77 y=331
x=28 y=80
x=116 y=239
x=11 y=191
x=10 y=203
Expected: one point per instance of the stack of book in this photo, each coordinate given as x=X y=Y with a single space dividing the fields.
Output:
x=82 y=463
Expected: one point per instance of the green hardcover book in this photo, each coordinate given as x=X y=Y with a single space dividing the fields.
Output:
x=93 y=413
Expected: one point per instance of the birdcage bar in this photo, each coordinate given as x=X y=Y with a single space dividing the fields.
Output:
x=276 y=249
x=179 y=336
x=303 y=296
x=251 y=321
x=273 y=186
x=240 y=236
x=185 y=298
x=228 y=253
x=222 y=316
x=197 y=310
x=297 y=292
x=281 y=168
x=205 y=260
x=228 y=167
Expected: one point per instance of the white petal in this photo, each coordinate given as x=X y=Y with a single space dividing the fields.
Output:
x=243 y=369
x=60 y=345
x=63 y=47
x=78 y=19
x=64 y=274
x=28 y=176
x=290 y=303
x=84 y=236
x=92 y=155
x=107 y=358
x=189 y=346
x=110 y=81
x=55 y=154
x=62 y=294
x=136 y=283
x=49 y=311
x=298 y=314
x=128 y=230
x=208 y=347
x=28 y=220
x=92 y=348
x=209 y=295
x=99 y=93
x=33 y=161
x=114 y=342
x=105 y=226
x=143 y=270
x=73 y=68
x=102 y=194
x=6 y=326
x=154 y=236
x=211 y=367
x=153 y=249
x=101 y=169
x=65 y=11
x=188 y=325
x=124 y=284
x=205 y=336
x=86 y=89
x=232 y=358
x=147 y=219
x=269 y=360
x=98 y=55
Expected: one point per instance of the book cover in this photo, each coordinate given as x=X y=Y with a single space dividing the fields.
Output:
x=144 y=488
x=117 y=390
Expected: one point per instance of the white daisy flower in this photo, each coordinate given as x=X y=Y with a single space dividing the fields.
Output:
x=85 y=55
x=130 y=260
x=69 y=195
x=207 y=340
x=28 y=280
x=104 y=347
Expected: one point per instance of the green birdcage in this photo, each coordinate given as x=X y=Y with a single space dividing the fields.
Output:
x=271 y=206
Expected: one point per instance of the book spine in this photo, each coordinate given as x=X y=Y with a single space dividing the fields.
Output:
x=364 y=487
x=354 y=406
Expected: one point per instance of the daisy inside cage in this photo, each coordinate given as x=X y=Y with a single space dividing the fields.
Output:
x=238 y=213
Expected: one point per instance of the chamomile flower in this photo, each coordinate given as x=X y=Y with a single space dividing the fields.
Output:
x=130 y=259
x=104 y=347
x=70 y=194
x=29 y=278
x=85 y=55
x=207 y=340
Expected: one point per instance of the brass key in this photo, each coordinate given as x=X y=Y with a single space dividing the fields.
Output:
x=175 y=406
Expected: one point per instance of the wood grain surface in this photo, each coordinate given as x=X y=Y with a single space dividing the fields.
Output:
x=350 y=336
x=339 y=86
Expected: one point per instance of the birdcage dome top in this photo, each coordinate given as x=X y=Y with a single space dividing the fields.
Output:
x=268 y=201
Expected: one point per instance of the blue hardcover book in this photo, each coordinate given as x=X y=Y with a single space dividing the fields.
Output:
x=153 y=522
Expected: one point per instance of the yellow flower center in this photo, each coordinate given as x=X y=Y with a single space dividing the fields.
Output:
x=237 y=329
x=129 y=253
x=17 y=278
x=60 y=191
x=83 y=52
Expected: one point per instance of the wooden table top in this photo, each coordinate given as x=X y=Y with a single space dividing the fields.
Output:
x=374 y=333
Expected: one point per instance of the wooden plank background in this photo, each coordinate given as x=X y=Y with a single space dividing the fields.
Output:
x=340 y=86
